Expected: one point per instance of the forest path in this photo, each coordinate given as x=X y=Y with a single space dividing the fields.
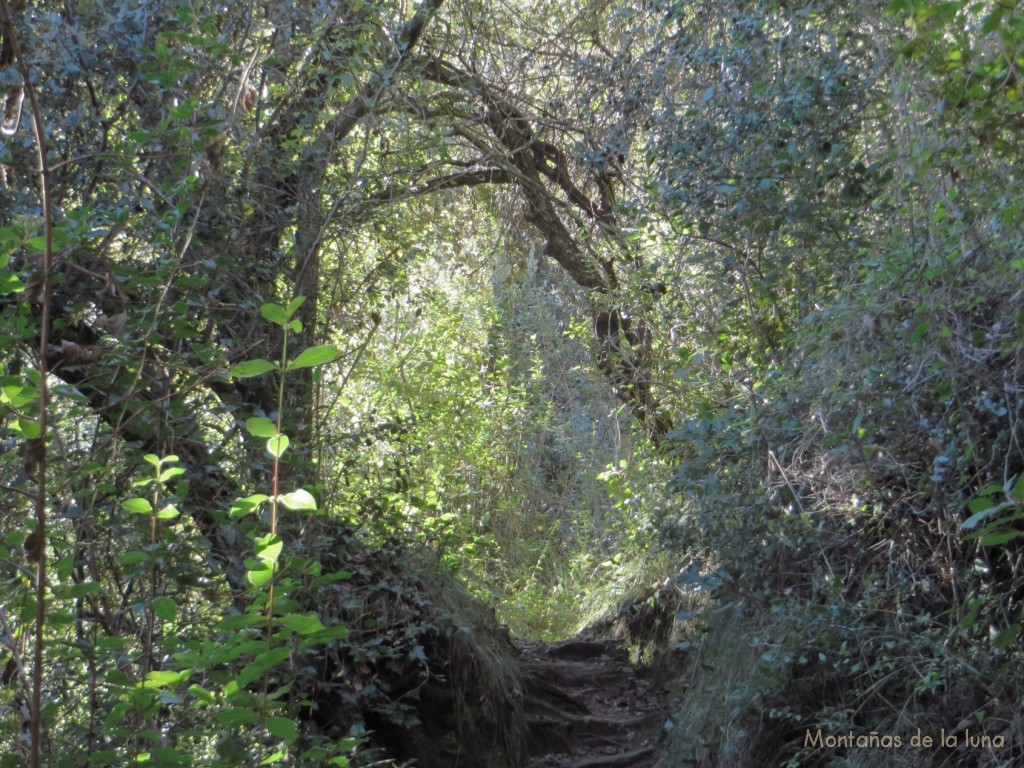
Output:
x=591 y=708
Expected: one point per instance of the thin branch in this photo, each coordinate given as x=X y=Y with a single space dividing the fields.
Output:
x=341 y=126
x=451 y=181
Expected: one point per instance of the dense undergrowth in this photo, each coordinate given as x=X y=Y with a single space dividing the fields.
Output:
x=325 y=403
x=853 y=487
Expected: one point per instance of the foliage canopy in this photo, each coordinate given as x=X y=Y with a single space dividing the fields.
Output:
x=307 y=308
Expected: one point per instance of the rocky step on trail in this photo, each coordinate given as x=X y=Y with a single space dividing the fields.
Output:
x=590 y=707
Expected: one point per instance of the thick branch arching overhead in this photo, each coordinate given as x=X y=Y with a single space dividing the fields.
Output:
x=553 y=188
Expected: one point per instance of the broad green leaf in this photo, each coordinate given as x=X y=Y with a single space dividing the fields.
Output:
x=1017 y=493
x=269 y=547
x=980 y=504
x=83 y=589
x=29 y=428
x=998 y=538
x=302 y=624
x=325 y=635
x=298 y=500
x=241 y=621
x=10 y=284
x=278 y=445
x=161 y=679
x=16 y=395
x=60 y=617
x=982 y=508
x=314 y=356
x=162 y=756
x=261 y=572
x=169 y=512
x=165 y=608
x=248 y=674
x=253 y=368
x=283 y=728
x=330 y=578
x=275 y=314
x=242 y=507
x=1003 y=639
x=170 y=473
x=258 y=426
x=236 y=716
x=112 y=643
x=279 y=691
x=273 y=657
x=152 y=458
x=294 y=305
x=275 y=757
x=138 y=506
x=132 y=557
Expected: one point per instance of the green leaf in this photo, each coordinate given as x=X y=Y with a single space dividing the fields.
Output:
x=253 y=368
x=298 y=500
x=152 y=458
x=10 y=284
x=260 y=573
x=314 y=356
x=138 y=506
x=278 y=445
x=236 y=716
x=338 y=632
x=275 y=757
x=283 y=728
x=294 y=305
x=29 y=428
x=993 y=20
x=165 y=608
x=135 y=556
x=258 y=426
x=273 y=657
x=998 y=538
x=302 y=624
x=170 y=473
x=111 y=643
x=242 y=507
x=169 y=512
x=163 y=756
x=980 y=504
x=1017 y=493
x=269 y=547
x=15 y=394
x=1003 y=639
x=982 y=508
x=83 y=589
x=162 y=679
x=241 y=621
x=275 y=314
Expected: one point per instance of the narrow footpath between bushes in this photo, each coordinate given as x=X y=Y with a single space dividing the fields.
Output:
x=590 y=707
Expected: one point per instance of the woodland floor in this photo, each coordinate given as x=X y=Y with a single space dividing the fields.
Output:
x=591 y=708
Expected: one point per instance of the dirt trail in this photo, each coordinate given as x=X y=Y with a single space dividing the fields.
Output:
x=591 y=708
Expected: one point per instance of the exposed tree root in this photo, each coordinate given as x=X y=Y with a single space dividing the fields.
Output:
x=587 y=707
